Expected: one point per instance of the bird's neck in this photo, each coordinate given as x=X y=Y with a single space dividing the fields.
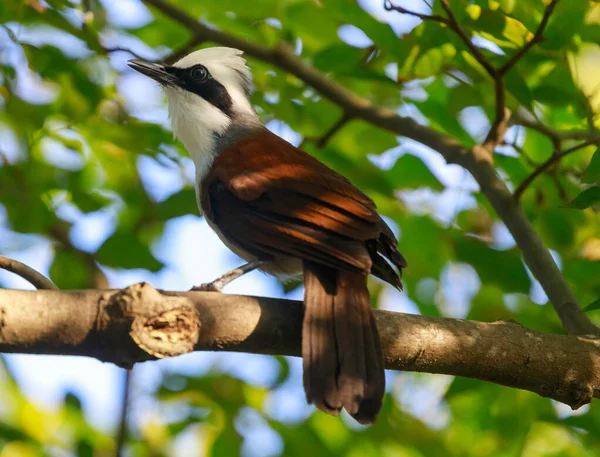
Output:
x=205 y=135
x=207 y=149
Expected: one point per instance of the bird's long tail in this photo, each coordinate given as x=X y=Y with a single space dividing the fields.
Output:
x=343 y=363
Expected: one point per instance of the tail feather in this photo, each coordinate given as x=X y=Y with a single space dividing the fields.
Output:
x=343 y=363
x=375 y=385
x=318 y=333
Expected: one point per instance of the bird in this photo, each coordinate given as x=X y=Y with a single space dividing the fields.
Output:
x=285 y=212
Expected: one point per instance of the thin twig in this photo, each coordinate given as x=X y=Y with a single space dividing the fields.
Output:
x=502 y=115
x=517 y=119
x=88 y=15
x=120 y=49
x=500 y=124
x=537 y=37
x=452 y=23
x=521 y=151
x=589 y=112
x=27 y=273
x=562 y=193
x=389 y=6
x=455 y=26
x=543 y=167
x=321 y=142
x=123 y=422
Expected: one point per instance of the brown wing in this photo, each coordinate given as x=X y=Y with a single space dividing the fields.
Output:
x=272 y=199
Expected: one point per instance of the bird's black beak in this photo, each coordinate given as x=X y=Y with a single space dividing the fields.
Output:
x=153 y=70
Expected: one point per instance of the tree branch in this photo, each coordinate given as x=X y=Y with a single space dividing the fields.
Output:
x=537 y=37
x=477 y=159
x=452 y=23
x=553 y=159
x=501 y=118
x=122 y=431
x=140 y=323
x=455 y=26
x=110 y=50
x=29 y=274
x=502 y=115
x=321 y=141
x=388 y=5
x=557 y=135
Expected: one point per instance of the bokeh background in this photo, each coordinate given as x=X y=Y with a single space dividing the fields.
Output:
x=95 y=193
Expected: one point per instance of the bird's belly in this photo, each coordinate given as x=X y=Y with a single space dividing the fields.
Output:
x=282 y=267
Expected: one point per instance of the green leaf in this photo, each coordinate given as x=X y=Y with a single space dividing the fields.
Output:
x=72 y=401
x=463 y=96
x=553 y=95
x=593 y=306
x=592 y=173
x=409 y=172
x=71 y=270
x=504 y=268
x=557 y=227
x=307 y=19
x=507 y=5
x=565 y=24
x=537 y=146
x=125 y=250
x=89 y=202
x=433 y=61
x=180 y=204
x=517 y=86
x=85 y=448
x=585 y=199
x=338 y=58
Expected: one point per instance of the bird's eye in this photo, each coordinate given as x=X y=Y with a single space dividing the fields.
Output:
x=199 y=73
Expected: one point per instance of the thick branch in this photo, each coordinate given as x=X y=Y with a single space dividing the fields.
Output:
x=29 y=274
x=141 y=323
x=477 y=160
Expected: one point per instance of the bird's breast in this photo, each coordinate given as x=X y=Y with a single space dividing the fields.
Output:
x=281 y=267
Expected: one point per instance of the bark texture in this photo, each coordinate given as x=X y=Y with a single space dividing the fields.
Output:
x=141 y=323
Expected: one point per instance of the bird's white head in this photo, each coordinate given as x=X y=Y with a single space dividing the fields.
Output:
x=208 y=93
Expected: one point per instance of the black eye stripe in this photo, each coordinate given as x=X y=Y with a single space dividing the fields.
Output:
x=205 y=86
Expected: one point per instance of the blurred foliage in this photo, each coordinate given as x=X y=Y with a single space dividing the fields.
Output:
x=72 y=144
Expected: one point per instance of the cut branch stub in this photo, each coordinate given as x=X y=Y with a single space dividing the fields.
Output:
x=167 y=334
x=159 y=325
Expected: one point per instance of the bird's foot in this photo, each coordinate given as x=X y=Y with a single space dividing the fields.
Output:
x=218 y=284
